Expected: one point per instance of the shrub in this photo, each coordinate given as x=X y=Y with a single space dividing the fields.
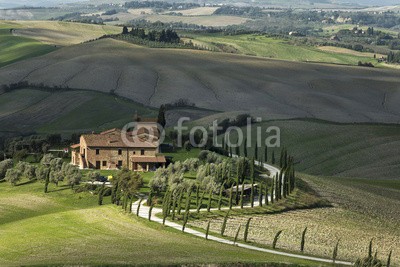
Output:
x=13 y=176
x=4 y=166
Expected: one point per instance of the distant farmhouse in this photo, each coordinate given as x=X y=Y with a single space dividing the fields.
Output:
x=111 y=150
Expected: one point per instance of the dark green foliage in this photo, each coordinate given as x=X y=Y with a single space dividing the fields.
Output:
x=261 y=195
x=47 y=181
x=161 y=116
x=303 y=240
x=237 y=234
x=272 y=191
x=207 y=229
x=266 y=154
x=223 y=227
x=125 y=30
x=276 y=239
x=246 y=229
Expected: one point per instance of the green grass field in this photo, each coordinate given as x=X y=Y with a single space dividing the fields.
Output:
x=15 y=48
x=258 y=45
x=70 y=229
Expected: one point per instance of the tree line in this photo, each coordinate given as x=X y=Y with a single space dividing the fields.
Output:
x=163 y=36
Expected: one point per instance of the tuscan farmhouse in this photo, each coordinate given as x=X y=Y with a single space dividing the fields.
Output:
x=137 y=149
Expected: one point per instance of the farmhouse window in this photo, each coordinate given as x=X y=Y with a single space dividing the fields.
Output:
x=97 y=151
x=142 y=152
x=119 y=163
x=119 y=151
x=97 y=164
x=104 y=163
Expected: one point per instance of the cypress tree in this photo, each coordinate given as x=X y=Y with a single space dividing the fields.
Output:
x=241 y=196
x=187 y=206
x=236 y=235
x=245 y=148
x=252 y=193
x=246 y=229
x=303 y=240
x=161 y=116
x=100 y=200
x=185 y=219
x=261 y=195
x=210 y=194
x=200 y=202
x=389 y=259
x=223 y=227
x=276 y=239
x=256 y=151
x=370 y=249
x=175 y=196
x=150 y=210
x=197 y=195
x=130 y=205
x=221 y=190
x=273 y=157
x=335 y=252
x=266 y=194
x=207 y=229
x=180 y=201
x=138 y=207
x=266 y=154
x=47 y=181
x=272 y=191
x=231 y=196
x=281 y=158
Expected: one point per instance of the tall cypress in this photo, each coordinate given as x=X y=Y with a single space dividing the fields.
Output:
x=210 y=195
x=223 y=227
x=231 y=196
x=303 y=240
x=207 y=229
x=266 y=194
x=221 y=190
x=241 y=196
x=246 y=229
x=266 y=154
x=237 y=235
x=273 y=157
x=276 y=239
x=260 y=199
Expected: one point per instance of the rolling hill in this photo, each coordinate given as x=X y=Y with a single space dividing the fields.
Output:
x=271 y=88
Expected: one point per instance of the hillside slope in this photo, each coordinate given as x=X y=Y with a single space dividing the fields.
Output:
x=219 y=81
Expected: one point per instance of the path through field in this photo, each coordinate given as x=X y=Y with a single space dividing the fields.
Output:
x=144 y=213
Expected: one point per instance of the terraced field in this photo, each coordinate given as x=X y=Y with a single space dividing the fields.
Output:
x=266 y=87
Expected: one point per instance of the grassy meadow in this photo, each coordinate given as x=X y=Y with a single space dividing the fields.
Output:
x=262 y=46
x=66 y=228
x=16 y=48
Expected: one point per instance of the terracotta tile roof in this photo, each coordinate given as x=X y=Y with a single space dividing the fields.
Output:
x=75 y=146
x=143 y=159
x=113 y=138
